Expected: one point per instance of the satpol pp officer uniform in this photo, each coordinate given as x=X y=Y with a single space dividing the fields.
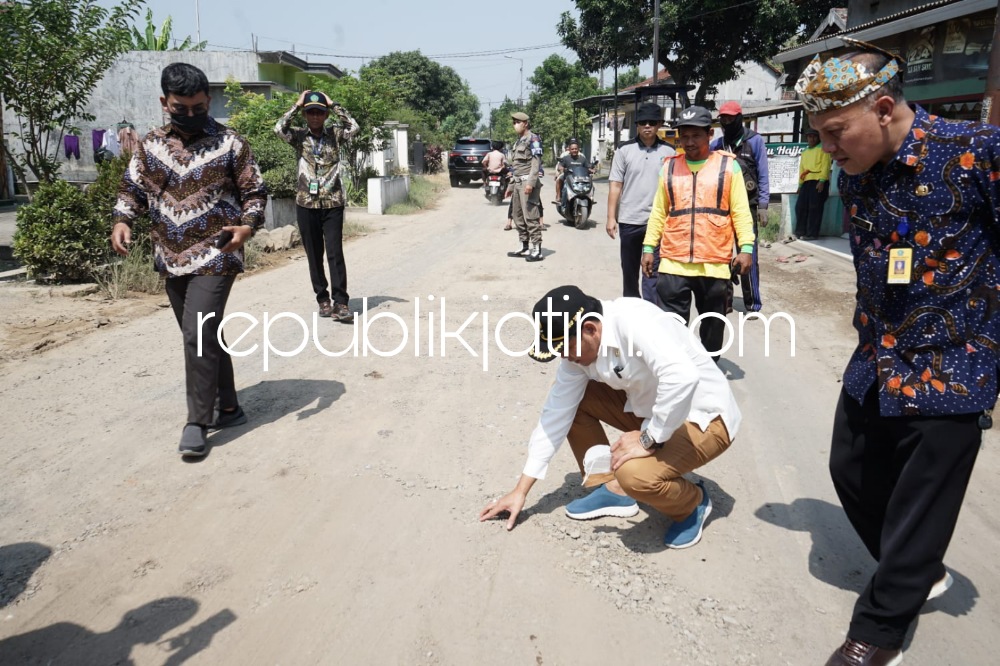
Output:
x=526 y=161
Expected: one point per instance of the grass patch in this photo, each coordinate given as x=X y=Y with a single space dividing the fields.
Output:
x=133 y=273
x=773 y=229
x=425 y=192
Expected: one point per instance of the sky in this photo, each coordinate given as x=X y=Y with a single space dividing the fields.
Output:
x=349 y=34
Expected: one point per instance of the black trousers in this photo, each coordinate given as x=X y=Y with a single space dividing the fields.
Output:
x=210 y=373
x=901 y=481
x=631 y=256
x=809 y=208
x=750 y=283
x=322 y=229
x=710 y=295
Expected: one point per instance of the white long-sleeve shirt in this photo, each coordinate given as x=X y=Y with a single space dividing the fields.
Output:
x=667 y=375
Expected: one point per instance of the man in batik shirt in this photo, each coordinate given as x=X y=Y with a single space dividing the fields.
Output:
x=198 y=182
x=923 y=194
x=320 y=197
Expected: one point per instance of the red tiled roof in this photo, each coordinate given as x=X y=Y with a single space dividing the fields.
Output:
x=663 y=76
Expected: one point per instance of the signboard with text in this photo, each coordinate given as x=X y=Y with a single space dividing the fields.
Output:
x=783 y=166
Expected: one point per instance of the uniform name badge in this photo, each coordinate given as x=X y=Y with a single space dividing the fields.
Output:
x=313 y=187
x=900 y=265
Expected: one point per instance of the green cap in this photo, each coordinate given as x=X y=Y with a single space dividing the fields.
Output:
x=520 y=115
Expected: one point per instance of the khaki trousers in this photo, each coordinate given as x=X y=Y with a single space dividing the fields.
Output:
x=657 y=480
x=525 y=213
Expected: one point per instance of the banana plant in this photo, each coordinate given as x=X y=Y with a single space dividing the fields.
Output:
x=150 y=41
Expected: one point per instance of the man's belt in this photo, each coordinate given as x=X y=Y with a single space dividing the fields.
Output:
x=521 y=179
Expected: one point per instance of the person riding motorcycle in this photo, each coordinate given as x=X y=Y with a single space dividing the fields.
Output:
x=573 y=157
x=494 y=162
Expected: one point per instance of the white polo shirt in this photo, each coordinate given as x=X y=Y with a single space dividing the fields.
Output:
x=667 y=375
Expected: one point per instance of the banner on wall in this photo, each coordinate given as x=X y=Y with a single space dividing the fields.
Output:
x=783 y=166
x=920 y=55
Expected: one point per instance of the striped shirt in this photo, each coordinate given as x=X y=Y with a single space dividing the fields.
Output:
x=190 y=192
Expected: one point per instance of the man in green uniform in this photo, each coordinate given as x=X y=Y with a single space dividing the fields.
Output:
x=526 y=160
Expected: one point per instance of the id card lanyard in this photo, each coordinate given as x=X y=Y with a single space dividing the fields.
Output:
x=900 y=256
x=317 y=148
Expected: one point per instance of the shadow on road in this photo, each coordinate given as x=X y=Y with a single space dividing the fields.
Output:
x=837 y=556
x=18 y=562
x=730 y=369
x=68 y=643
x=269 y=400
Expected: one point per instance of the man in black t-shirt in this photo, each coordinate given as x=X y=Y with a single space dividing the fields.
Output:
x=572 y=158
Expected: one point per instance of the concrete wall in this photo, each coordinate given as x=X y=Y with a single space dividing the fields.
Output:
x=279 y=213
x=384 y=192
x=130 y=90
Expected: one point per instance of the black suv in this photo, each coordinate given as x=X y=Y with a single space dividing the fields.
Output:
x=465 y=161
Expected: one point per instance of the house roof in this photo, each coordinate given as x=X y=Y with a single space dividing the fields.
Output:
x=287 y=58
x=662 y=76
x=928 y=13
x=836 y=19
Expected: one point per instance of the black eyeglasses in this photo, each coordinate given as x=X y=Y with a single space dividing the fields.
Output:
x=648 y=123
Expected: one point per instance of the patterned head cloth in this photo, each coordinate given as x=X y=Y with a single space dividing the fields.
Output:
x=839 y=82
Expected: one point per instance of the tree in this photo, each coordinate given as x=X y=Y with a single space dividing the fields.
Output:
x=699 y=42
x=629 y=77
x=557 y=77
x=428 y=87
x=606 y=32
x=46 y=77
x=557 y=83
x=254 y=117
x=500 y=121
x=150 y=41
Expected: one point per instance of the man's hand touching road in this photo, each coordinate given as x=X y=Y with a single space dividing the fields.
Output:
x=512 y=502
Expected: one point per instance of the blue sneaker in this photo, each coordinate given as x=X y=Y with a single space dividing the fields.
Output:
x=602 y=502
x=687 y=532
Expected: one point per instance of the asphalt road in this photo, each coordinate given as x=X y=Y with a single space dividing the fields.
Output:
x=339 y=525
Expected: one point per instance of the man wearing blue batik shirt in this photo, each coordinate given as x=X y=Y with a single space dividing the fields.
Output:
x=923 y=194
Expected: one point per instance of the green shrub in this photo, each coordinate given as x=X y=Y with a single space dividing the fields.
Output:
x=59 y=235
x=103 y=194
x=281 y=181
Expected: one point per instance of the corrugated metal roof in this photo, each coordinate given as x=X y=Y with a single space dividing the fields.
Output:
x=906 y=13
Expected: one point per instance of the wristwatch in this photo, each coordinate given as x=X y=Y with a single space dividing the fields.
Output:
x=648 y=442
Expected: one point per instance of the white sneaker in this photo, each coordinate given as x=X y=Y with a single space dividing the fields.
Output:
x=941 y=586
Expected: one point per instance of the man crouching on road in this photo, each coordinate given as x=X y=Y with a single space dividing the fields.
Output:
x=630 y=365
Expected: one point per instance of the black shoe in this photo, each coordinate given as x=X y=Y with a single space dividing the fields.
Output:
x=229 y=419
x=523 y=252
x=194 y=443
x=536 y=254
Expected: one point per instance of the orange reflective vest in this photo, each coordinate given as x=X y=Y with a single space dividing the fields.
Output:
x=698 y=228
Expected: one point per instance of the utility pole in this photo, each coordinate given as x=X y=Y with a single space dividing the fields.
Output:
x=614 y=117
x=197 y=20
x=991 y=100
x=656 y=40
x=520 y=104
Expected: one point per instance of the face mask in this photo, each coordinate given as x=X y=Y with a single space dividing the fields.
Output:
x=734 y=130
x=189 y=124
